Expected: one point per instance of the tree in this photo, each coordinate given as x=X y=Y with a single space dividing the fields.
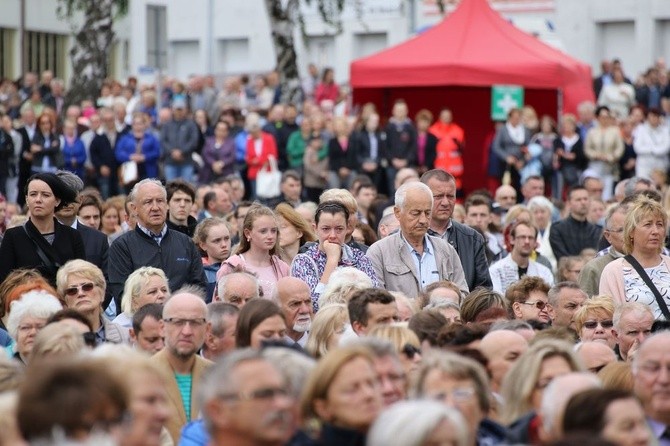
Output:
x=94 y=37
x=285 y=16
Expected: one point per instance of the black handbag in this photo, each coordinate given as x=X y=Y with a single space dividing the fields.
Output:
x=645 y=277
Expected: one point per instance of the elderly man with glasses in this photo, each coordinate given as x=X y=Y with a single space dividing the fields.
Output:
x=185 y=327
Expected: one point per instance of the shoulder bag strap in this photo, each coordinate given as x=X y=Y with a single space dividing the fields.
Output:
x=643 y=274
x=40 y=252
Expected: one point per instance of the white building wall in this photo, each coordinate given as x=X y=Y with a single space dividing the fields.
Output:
x=635 y=31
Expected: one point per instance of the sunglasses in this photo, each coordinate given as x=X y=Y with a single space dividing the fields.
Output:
x=74 y=290
x=593 y=324
x=411 y=351
x=539 y=304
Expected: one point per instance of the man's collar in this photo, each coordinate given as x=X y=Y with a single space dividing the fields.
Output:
x=151 y=233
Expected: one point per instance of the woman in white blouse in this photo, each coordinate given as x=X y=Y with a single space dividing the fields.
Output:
x=651 y=144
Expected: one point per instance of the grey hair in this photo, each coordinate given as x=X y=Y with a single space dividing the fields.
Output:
x=586 y=106
x=221 y=286
x=513 y=325
x=399 y=425
x=401 y=193
x=442 y=303
x=343 y=282
x=136 y=187
x=617 y=208
x=71 y=180
x=540 y=202
x=620 y=187
x=555 y=290
x=215 y=315
x=37 y=304
x=220 y=378
x=629 y=307
x=295 y=367
x=380 y=348
x=558 y=393
x=629 y=189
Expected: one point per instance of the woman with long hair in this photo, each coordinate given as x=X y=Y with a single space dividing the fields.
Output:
x=258 y=251
x=294 y=231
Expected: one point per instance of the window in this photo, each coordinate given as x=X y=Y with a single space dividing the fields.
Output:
x=46 y=51
x=7 y=51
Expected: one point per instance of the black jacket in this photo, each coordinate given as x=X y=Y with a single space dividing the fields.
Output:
x=177 y=256
x=401 y=141
x=189 y=229
x=96 y=245
x=359 y=143
x=17 y=250
x=569 y=237
x=102 y=152
x=470 y=246
x=6 y=153
x=338 y=157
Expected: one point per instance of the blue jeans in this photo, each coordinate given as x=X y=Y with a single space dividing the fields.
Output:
x=183 y=171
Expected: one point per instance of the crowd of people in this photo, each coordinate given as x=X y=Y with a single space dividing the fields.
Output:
x=227 y=269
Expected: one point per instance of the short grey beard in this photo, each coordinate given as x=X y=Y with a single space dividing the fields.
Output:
x=302 y=327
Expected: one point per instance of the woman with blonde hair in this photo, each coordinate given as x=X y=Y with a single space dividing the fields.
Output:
x=294 y=231
x=146 y=285
x=82 y=285
x=594 y=321
x=328 y=325
x=626 y=279
x=406 y=343
x=342 y=397
x=524 y=384
x=258 y=250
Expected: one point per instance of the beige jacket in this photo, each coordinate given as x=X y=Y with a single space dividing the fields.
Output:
x=395 y=268
x=177 y=418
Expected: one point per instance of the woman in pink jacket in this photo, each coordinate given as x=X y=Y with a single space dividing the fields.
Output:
x=258 y=251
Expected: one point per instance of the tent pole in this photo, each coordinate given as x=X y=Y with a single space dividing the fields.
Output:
x=559 y=104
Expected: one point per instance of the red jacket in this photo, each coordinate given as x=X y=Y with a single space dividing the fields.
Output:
x=255 y=163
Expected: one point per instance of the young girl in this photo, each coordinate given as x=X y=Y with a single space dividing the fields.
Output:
x=258 y=251
x=212 y=236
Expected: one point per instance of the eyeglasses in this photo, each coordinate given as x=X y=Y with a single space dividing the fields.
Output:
x=615 y=231
x=539 y=304
x=593 y=324
x=411 y=351
x=264 y=394
x=74 y=289
x=181 y=323
x=460 y=394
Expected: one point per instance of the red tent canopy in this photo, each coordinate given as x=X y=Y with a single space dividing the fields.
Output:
x=456 y=62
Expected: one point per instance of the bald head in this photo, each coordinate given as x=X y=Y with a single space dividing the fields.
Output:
x=556 y=397
x=502 y=348
x=238 y=288
x=185 y=301
x=595 y=355
x=505 y=196
x=185 y=323
x=295 y=300
x=652 y=379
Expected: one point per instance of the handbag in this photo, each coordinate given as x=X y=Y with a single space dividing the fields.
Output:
x=643 y=275
x=268 y=182
x=129 y=172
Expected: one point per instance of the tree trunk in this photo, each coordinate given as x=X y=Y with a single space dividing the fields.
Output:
x=90 y=53
x=283 y=20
